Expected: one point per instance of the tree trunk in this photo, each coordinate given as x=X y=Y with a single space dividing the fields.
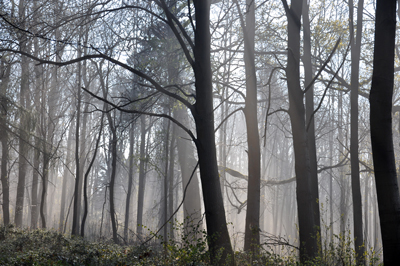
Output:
x=66 y=176
x=171 y=170
x=308 y=231
x=5 y=70
x=187 y=162
x=76 y=208
x=85 y=180
x=308 y=76
x=252 y=229
x=130 y=182
x=142 y=176
x=381 y=130
x=203 y=113
x=23 y=136
x=355 y=167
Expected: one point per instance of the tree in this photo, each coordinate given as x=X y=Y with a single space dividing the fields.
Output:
x=5 y=70
x=252 y=227
x=355 y=167
x=23 y=130
x=308 y=231
x=130 y=180
x=380 y=98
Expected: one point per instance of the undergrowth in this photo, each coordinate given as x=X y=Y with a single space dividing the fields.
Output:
x=47 y=247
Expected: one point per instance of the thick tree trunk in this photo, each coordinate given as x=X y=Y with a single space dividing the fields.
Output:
x=381 y=130
x=306 y=206
x=203 y=113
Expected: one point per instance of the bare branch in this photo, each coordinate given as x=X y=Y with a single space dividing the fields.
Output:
x=143 y=113
x=112 y=60
x=323 y=66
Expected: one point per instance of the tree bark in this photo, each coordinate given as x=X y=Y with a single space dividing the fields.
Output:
x=308 y=230
x=142 y=177
x=252 y=229
x=66 y=176
x=310 y=121
x=76 y=208
x=5 y=70
x=187 y=162
x=130 y=181
x=85 y=180
x=355 y=166
x=23 y=136
x=203 y=113
x=381 y=130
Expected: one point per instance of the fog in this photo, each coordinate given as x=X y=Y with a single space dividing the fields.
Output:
x=140 y=121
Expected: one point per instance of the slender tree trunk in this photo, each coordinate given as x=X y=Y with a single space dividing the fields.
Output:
x=252 y=229
x=342 y=180
x=387 y=188
x=130 y=181
x=171 y=183
x=5 y=70
x=66 y=176
x=23 y=136
x=309 y=75
x=142 y=177
x=355 y=167
x=167 y=125
x=76 y=209
x=85 y=180
x=36 y=158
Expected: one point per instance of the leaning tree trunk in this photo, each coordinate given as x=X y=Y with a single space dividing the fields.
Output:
x=381 y=130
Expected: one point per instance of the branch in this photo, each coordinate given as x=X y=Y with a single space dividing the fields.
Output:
x=171 y=24
x=143 y=113
x=323 y=66
x=269 y=103
x=226 y=118
x=177 y=209
x=235 y=173
x=112 y=60
x=327 y=87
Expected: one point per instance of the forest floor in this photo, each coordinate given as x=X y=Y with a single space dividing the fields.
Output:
x=47 y=247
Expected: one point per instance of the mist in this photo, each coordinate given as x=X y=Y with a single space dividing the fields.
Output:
x=247 y=123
